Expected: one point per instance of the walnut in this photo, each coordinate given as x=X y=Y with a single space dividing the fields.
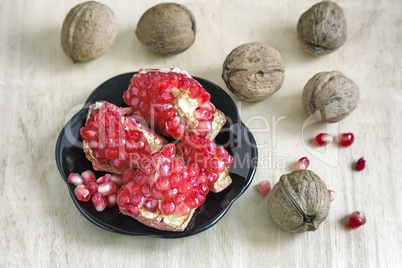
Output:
x=167 y=28
x=253 y=71
x=322 y=29
x=88 y=31
x=299 y=202
x=330 y=96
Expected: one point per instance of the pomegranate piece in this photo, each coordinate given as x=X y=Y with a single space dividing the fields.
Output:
x=357 y=219
x=111 y=138
x=345 y=139
x=99 y=201
x=264 y=187
x=213 y=162
x=302 y=163
x=323 y=139
x=82 y=193
x=360 y=164
x=332 y=195
x=173 y=103
x=75 y=179
x=161 y=195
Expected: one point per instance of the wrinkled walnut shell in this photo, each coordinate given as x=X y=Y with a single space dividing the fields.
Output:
x=167 y=28
x=253 y=71
x=322 y=29
x=88 y=31
x=299 y=202
x=330 y=96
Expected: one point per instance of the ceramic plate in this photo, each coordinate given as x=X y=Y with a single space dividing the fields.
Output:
x=234 y=136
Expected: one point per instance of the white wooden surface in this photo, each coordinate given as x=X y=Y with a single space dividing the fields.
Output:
x=40 y=89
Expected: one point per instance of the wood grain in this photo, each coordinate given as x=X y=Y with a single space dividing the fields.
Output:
x=40 y=88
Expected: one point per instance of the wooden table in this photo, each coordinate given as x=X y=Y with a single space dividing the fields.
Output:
x=40 y=89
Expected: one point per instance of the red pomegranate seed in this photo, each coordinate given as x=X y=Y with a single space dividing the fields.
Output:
x=103 y=179
x=75 y=179
x=137 y=199
x=82 y=193
x=88 y=133
x=167 y=208
x=302 y=163
x=111 y=200
x=151 y=204
x=88 y=176
x=118 y=180
x=323 y=139
x=332 y=195
x=191 y=202
x=182 y=210
x=345 y=139
x=360 y=164
x=170 y=194
x=107 y=188
x=357 y=219
x=122 y=200
x=133 y=210
x=92 y=187
x=99 y=202
x=264 y=187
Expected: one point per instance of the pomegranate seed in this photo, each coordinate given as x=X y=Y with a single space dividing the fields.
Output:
x=303 y=163
x=151 y=204
x=88 y=133
x=167 y=208
x=137 y=199
x=107 y=188
x=88 y=176
x=92 y=187
x=75 y=179
x=103 y=179
x=99 y=202
x=82 y=193
x=157 y=194
x=264 y=187
x=118 y=180
x=360 y=164
x=146 y=189
x=122 y=200
x=186 y=188
x=169 y=151
x=345 y=139
x=111 y=200
x=357 y=219
x=191 y=202
x=133 y=210
x=182 y=210
x=162 y=183
x=323 y=139
x=170 y=194
x=204 y=127
x=332 y=195
x=179 y=198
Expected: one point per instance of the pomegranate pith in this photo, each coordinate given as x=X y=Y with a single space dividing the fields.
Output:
x=173 y=103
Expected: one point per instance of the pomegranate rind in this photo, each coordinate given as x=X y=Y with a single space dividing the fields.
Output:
x=155 y=141
x=159 y=221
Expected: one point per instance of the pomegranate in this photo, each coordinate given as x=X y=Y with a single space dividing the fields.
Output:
x=213 y=162
x=173 y=103
x=113 y=141
x=164 y=193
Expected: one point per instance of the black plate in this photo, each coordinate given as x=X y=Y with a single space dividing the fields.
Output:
x=234 y=136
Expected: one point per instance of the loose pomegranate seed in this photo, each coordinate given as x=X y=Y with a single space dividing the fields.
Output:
x=118 y=180
x=360 y=164
x=99 y=202
x=88 y=177
x=323 y=139
x=264 y=187
x=107 y=188
x=357 y=219
x=92 y=187
x=302 y=163
x=345 y=139
x=75 y=179
x=82 y=193
x=111 y=200
x=332 y=195
x=103 y=179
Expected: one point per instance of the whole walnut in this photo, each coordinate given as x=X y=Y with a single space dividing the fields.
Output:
x=88 y=31
x=322 y=29
x=330 y=96
x=253 y=71
x=299 y=202
x=167 y=28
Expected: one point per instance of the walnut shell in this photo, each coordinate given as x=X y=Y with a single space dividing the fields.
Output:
x=322 y=29
x=253 y=71
x=167 y=28
x=88 y=31
x=330 y=96
x=299 y=202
